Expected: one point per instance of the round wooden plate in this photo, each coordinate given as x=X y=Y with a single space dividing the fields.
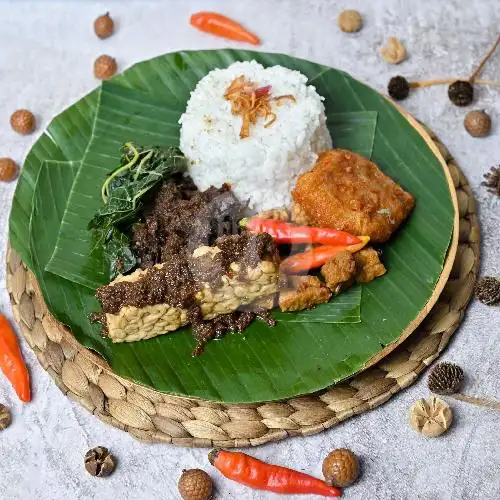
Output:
x=153 y=416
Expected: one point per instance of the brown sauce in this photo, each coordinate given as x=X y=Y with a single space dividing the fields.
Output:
x=178 y=220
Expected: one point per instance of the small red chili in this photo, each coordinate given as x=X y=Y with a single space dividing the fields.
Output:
x=252 y=472
x=12 y=362
x=284 y=232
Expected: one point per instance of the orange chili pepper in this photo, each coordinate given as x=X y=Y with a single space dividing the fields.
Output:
x=252 y=472
x=219 y=25
x=11 y=361
x=316 y=257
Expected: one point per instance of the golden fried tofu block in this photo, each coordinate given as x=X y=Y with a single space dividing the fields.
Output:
x=348 y=192
x=308 y=291
x=368 y=265
x=339 y=271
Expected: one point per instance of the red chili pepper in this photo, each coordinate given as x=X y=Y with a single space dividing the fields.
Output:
x=219 y=25
x=12 y=362
x=284 y=232
x=316 y=257
x=252 y=472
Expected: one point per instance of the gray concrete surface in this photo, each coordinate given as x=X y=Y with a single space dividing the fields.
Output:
x=46 y=54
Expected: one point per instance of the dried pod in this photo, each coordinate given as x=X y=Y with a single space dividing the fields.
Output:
x=104 y=26
x=398 y=88
x=431 y=418
x=104 y=67
x=461 y=93
x=477 y=123
x=99 y=462
x=394 y=51
x=23 y=121
x=350 y=21
x=445 y=378
x=195 y=484
x=488 y=290
x=341 y=467
x=5 y=418
x=8 y=170
x=492 y=181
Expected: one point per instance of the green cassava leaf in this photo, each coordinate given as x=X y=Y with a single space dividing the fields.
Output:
x=141 y=170
x=264 y=363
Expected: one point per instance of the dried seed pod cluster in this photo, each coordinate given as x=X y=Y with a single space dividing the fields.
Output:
x=492 y=181
x=445 y=378
x=99 y=462
x=488 y=290
x=431 y=418
x=461 y=93
x=394 y=51
x=5 y=418
x=398 y=88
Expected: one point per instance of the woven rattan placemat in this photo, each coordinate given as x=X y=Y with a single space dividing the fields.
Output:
x=152 y=416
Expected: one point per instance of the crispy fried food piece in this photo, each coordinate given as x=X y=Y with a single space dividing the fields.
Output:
x=339 y=271
x=298 y=216
x=368 y=265
x=280 y=213
x=348 y=192
x=308 y=292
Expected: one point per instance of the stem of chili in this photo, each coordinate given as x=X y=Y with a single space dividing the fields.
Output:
x=284 y=232
x=219 y=25
x=252 y=472
x=316 y=257
x=11 y=361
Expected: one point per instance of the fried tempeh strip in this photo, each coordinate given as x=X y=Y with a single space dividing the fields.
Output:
x=139 y=323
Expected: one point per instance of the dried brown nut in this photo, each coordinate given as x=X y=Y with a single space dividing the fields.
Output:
x=104 y=26
x=9 y=170
x=394 y=51
x=461 y=93
x=5 y=419
x=445 y=378
x=350 y=21
x=105 y=67
x=431 y=418
x=477 y=123
x=99 y=462
x=195 y=484
x=488 y=290
x=23 y=121
x=341 y=467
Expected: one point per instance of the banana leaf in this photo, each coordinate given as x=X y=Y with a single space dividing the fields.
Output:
x=263 y=364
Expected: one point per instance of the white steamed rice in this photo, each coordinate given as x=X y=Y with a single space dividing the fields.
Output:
x=262 y=169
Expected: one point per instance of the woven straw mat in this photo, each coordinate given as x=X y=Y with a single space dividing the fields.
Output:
x=155 y=417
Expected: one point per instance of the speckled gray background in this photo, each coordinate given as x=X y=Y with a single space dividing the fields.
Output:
x=46 y=54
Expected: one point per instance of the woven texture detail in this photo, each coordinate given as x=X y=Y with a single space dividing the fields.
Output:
x=156 y=417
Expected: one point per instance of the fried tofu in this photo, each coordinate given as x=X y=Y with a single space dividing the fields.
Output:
x=348 y=192
x=308 y=292
x=339 y=271
x=368 y=265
